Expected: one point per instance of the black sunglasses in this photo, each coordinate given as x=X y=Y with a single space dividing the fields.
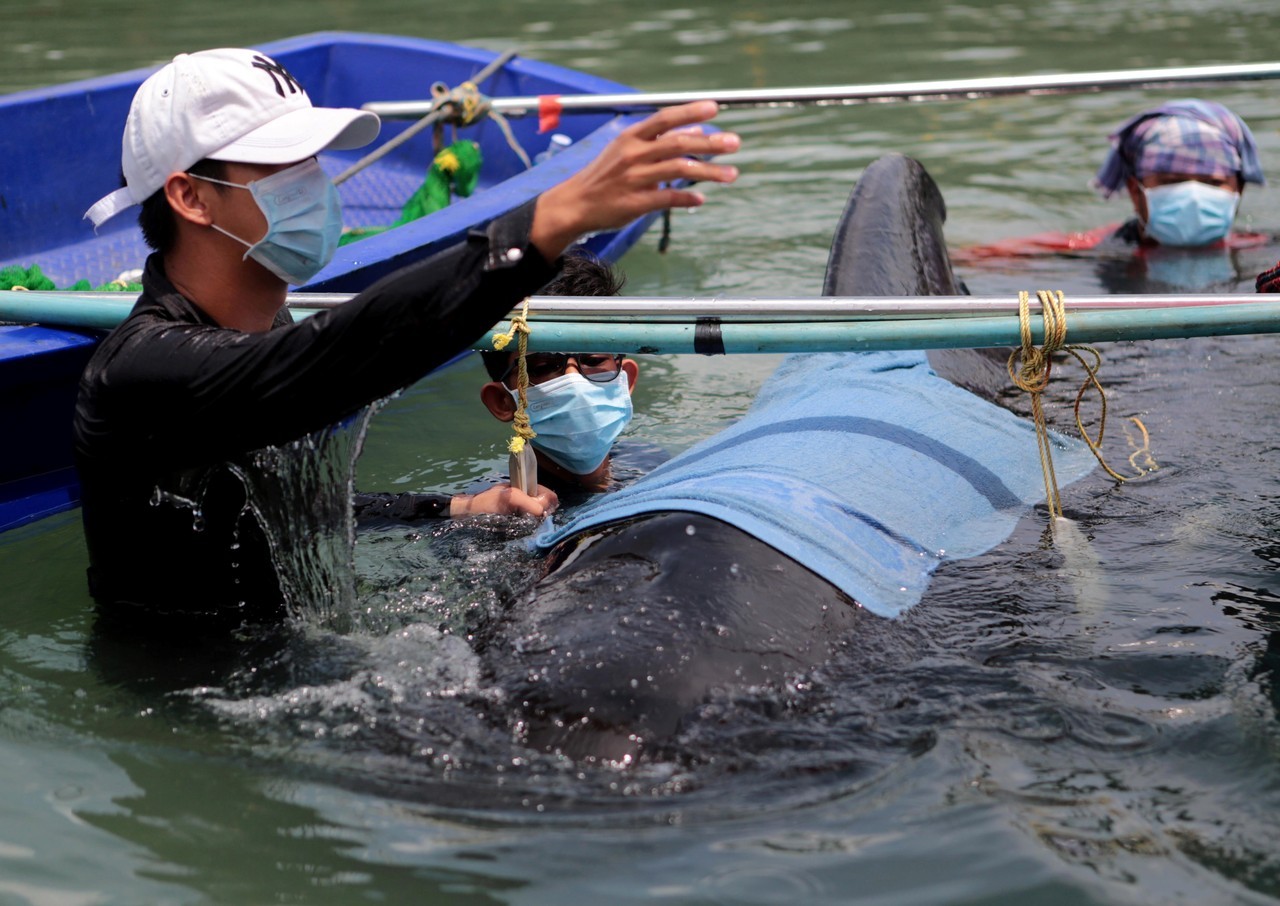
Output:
x=543 y=366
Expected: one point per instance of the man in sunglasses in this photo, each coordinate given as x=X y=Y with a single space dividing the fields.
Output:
x=578 y=403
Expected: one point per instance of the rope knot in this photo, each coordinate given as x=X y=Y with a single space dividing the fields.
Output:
x=465 y=104
x=1029 y=368
x=461 y=106
x=519 y=328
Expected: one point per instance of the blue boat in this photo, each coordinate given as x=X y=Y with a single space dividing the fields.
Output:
x=60 y=149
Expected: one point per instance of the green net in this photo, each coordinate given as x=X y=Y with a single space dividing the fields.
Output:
x=456 y=169
x=18 y=277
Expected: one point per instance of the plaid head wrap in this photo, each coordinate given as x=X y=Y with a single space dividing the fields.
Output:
x=1199 y=138
x=1269 y=281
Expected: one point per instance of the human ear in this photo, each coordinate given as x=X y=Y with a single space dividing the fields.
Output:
x=498 y=400
x=632 y=370
x=186 y=199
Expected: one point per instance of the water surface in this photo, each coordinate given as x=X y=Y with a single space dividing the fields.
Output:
x=1034 y=730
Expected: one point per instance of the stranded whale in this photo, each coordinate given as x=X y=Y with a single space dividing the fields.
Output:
x=750 y=557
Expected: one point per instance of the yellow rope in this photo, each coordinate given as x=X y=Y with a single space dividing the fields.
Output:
x=461 y=106
x=1029 y=369
x=1033 y=376
x=1141 y=451
x=473 y=104
x=519 y=325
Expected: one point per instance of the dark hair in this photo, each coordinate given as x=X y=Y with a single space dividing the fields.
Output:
x=583 y=275
x=157 y=220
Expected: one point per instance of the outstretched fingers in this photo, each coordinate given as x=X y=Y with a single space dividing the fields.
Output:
x=690 y=141
x=669 y=118
x=679 y=167
x=631 y=176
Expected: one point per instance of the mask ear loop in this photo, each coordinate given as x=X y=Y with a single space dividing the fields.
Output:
x=522 y=465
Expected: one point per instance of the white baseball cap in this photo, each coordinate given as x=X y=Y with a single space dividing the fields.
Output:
x=228 y=104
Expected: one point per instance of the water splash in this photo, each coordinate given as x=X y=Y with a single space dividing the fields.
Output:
x=300 y=493
x=160 y=497
x=299 y=496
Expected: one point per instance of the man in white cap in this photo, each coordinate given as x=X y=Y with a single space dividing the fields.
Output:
x=219 y=150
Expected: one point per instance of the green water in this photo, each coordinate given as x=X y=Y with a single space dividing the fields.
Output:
x=1045 y=742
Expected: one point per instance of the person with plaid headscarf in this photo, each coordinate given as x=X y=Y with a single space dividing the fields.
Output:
x=1184 y=165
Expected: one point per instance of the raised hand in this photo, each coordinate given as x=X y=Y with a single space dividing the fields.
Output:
x=626 y=180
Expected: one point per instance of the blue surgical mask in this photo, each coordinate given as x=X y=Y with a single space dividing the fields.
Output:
x=577 y=420
x=1190 y=213
x=304 y=221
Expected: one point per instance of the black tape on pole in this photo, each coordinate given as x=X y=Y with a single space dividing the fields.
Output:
x=707 y=339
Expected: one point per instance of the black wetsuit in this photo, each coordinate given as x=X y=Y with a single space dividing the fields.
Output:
x=172 y=402
x=409 y=506
x=1128 y=233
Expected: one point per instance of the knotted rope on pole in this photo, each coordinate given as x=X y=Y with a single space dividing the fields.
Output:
x=461 y=106
x=520 y=328
x=1030 y=367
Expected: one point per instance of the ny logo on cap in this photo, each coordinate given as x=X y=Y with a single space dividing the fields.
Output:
x=274 y=69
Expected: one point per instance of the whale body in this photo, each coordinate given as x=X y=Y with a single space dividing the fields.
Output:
x=751 y=558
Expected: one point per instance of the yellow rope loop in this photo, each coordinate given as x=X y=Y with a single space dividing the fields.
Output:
x=520 y=328
x=1141 y=451
x=1091 y=380
x=1033 y=376
x=1029 y=369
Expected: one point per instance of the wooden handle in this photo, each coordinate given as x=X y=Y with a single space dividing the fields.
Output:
x=523 y=469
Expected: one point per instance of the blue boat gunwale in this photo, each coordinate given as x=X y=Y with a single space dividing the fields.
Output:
x=22 y=341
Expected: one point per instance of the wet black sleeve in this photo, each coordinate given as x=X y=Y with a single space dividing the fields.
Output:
x=198 y=392
x=401 y=507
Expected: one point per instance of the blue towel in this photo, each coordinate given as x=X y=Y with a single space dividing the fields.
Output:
x=867 y=468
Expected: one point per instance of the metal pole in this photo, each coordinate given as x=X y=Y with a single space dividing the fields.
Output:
x=838 y=308
x=889 y=92
x=106 y=309
x=1083 y=326
x=925 y=333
